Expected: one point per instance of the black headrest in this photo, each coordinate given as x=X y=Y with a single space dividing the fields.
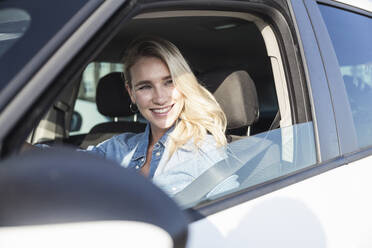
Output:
x=112 y=98
x=236 y=93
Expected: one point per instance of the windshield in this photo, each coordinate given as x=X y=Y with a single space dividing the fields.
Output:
x=26 y=27
x=13 y=24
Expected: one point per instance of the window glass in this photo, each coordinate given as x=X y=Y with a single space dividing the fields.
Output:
x=352 y=38
x=13 y=24
x=85 y=106
x=254 y=160
x=18 y=46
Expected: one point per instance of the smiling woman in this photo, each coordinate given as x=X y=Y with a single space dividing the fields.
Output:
x=156 y=97
x=176 y=146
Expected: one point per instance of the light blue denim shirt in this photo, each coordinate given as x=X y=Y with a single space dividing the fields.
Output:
x=170 y=174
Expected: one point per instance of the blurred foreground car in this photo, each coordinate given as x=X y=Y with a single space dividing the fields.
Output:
x=294 y=78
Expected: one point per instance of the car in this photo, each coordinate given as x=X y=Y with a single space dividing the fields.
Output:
x=293 y=77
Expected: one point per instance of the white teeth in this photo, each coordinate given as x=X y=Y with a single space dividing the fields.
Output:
x=160 y=111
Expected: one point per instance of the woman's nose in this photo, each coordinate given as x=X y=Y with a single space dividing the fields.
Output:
x=160 y=96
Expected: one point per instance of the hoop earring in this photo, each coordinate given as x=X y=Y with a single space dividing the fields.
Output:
x=133 y=107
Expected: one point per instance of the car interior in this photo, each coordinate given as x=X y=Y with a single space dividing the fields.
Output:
x=236 y=56
x=227 y=54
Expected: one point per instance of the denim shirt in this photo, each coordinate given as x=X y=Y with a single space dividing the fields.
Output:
x=170 y=174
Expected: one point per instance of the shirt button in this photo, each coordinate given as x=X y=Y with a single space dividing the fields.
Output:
x=158 y=154
x=137 y=167
x=142 y=159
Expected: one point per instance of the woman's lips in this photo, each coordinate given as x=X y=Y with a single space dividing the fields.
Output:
x=162 y=111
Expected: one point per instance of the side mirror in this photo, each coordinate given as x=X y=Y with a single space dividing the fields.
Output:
x=60 y=185
x=76 y=122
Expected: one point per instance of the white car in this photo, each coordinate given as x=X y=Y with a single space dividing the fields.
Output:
x=294 y=78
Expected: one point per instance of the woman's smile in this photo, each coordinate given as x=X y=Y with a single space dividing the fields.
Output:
x=162 y=111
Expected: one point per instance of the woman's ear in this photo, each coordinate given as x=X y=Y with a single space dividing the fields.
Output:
x=130 y=93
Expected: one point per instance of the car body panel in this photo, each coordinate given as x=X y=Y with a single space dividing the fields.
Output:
x=322 y=211
x=83 y=234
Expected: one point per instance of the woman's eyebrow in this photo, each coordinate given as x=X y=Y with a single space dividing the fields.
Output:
x=139 y=83
x=148 y=81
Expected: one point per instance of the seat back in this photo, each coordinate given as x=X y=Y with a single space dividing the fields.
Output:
x=113 y=101
x=236 y=93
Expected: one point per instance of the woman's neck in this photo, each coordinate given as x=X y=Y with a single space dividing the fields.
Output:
x=156 y=134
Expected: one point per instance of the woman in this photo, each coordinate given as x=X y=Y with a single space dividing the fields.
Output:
x=185 y=134
x=185 y=127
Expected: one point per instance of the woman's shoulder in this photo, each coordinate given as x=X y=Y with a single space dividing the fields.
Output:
x=204 y=153
x=208 y=143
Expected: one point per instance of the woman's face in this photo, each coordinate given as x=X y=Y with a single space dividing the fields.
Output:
x=154 y=93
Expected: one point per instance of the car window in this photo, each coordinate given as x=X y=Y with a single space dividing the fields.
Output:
x=19 y=16
x=352 y=37
x=262 y=147
x=267 y=149
x=13 y=24
x=85 y=105
x=253 y=160
x=258 y=153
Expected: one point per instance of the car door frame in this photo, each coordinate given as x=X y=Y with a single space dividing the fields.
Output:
x=345 y=125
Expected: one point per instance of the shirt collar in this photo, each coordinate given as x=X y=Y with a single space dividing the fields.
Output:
x=144 y=142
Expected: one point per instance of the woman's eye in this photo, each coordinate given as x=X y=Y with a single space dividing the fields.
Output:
x=144 y=87
x=169 y=82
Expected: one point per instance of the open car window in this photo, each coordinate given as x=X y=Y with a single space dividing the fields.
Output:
x=236 y=56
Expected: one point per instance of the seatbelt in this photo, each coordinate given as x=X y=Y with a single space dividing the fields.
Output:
x=223 y=169
x=239 y=154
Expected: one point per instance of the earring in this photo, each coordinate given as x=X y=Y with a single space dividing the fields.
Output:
x=133 y=107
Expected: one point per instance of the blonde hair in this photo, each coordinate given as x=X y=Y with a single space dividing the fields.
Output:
x=201 y=114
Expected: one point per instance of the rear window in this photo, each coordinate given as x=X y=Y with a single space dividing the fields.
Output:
x=352 y=40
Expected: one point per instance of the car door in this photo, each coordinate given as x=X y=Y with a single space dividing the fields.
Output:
x=327 y=204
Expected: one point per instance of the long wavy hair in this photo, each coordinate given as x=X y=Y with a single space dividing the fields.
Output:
x=201 y=114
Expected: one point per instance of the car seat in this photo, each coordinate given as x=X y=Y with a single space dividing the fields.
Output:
x=113 y=101
x=236 y=93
